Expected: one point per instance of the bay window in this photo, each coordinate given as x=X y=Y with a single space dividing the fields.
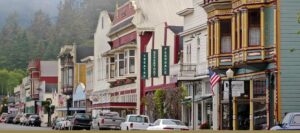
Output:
x=225 y=36
x=126 y=62
x=254 y=27
x=131 y=61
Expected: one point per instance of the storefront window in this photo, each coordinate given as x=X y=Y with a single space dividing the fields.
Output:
x=260 y=108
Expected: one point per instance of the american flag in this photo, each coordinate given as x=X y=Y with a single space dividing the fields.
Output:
x=214 y=79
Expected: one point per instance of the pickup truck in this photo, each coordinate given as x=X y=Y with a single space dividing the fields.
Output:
x=108 y=121
x=135 y=122
x=290 y=122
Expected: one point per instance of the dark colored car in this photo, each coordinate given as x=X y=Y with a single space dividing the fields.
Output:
x=81 y=121
x=34 y=120
x=10 y=118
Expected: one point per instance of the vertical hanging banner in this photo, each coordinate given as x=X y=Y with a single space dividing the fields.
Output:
x=144 y=65
x=154 y=63
x=165 y=60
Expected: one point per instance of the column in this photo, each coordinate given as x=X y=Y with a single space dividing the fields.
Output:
x=244 y=32
x=233 y=29
x=212 y=38
x=262 y=31
x=195 y=116
x=238 y=17
x=208 y=40
x=217 y=40
x=251 y=105
x=215 y=108
x=234 y=114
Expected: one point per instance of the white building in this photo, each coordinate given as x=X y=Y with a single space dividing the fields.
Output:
x=100 y=92
x=194 y=67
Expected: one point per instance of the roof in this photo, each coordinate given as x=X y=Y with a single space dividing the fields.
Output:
x=83 y=51
x=111 y=15
x=121 y=26
x=49 y=69
x=176 y=29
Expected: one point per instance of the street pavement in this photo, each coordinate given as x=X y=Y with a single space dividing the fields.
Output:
x=4 y=126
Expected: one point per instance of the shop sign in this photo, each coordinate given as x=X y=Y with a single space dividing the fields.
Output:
x=236 y=86
x=144 y=65
x=165 y=60
x=154 y=63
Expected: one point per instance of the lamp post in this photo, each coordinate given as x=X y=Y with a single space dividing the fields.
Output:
x=229 y=74
x=68 y=105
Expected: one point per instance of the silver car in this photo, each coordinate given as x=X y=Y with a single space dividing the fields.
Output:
x=290 y=122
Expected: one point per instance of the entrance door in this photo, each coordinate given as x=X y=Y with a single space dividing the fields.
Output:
x=243 y=112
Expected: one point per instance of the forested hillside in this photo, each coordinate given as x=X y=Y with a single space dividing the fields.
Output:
x=75 y=24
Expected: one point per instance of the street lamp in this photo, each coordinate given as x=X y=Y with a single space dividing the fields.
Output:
x=230 y=74
x=68 y=103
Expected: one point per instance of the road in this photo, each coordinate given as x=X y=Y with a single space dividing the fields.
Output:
x=19 y=127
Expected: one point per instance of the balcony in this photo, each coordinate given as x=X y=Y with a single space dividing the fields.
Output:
x=189 y=71
x=67 y=89
x=254 y=55
x=220 y=61
x=210 y=5
x=240 y=3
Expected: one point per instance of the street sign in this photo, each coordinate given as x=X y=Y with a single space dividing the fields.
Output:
x=165 y=60
x=236 y=86
x=154 y=63
x=144 y=65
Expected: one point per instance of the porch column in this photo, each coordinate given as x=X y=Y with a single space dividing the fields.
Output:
x=251 y=105
x=262 y=31
x=195 y=116
x=234 y=114
x=215 y=108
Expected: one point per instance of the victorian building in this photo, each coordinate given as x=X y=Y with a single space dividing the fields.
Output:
x=193 y=75
x=72 y=79
x=242 y=37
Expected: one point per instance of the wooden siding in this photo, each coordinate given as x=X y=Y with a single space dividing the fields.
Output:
x=289 y=56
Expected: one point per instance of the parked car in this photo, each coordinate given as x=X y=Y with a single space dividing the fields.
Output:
x=291 y=121
x=81 y=121
x=57 y=123
x=135 y=122
x=34 y=120
x=16 y=120
x=10 y=118
x=108 y=120
x=168 y=124
x=2 y=117
x=66 y=123
x=24 y=118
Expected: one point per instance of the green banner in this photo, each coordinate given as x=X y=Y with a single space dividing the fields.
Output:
x=154 y=63
x=165 y=60
x=144 y=65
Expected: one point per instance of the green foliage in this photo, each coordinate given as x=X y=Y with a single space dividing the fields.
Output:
x=158 y=98
x=10 y=79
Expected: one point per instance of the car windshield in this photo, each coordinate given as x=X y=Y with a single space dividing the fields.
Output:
x=286 y=118
x=83 y=116
x=172 y=122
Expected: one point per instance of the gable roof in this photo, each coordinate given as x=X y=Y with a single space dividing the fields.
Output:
x=83 y=51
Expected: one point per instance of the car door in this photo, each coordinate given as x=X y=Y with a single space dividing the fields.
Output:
x=145 y=123
x=294 y=123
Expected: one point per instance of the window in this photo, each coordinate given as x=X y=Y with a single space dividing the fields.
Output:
x=131 y=61
x=126 y=62
x=225 y=36
x=296 y=120
x=254 y=28
x=121 y=65
x=112 y=67
x=156 y=123
x=188 y=53
x=198 y=49
x=107 y=68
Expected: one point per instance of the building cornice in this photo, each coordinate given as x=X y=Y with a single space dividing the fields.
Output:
x=193 y=30
x=185 y=12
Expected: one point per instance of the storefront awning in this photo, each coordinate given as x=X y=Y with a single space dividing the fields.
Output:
x=202 y=98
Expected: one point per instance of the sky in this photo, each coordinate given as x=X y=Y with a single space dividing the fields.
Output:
x=27 y=8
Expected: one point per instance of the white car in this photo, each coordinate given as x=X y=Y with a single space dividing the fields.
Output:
x=135 y=122
x=168 y=124
x=66 y=123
